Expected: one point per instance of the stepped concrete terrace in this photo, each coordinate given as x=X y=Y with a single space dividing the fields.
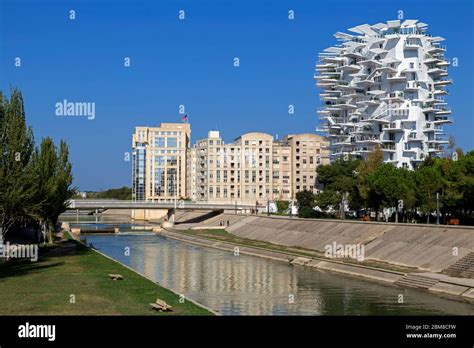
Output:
x=426 y=247
x=423 y=254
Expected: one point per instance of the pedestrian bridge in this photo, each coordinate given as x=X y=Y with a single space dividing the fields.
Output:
x=87 y=204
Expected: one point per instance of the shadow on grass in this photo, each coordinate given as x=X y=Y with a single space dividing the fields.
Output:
x=14 y=268
x=47 y=253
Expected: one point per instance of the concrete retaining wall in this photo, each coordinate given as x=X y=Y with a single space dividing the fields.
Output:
x=425 y=247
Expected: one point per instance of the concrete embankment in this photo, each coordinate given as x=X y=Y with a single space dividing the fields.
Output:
x=427 y=250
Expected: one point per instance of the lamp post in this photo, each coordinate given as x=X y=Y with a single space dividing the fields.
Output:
x=437 y=208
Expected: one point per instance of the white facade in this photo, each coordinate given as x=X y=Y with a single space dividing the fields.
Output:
x=384 y=86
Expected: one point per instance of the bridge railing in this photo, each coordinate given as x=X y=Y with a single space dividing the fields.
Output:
x=110 y=204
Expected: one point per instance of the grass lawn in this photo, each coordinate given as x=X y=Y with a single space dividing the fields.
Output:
x=69 y=268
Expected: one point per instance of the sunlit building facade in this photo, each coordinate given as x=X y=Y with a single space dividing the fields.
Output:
x=383 y=86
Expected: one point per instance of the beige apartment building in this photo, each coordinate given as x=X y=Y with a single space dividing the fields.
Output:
x=307 y=152
x=160 y=162
x=253 y=169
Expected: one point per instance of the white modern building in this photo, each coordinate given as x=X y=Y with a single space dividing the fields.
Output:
x=384 y=85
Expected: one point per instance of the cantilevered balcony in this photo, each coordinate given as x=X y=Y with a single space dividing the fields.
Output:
x=442 y=120
x=440 y=91
x=442 y=110
x=393 y=127
x=388 y=148
x=367 y=139
x=428 y=107
x=442 y=62
x=387 y=69
x=412 y=86
x=412 y=44
x=443 y=82
x=394 y=97
x=414 y=137
x=350 y=68
x=435 y=148
x=396 y=78
x=436 y=48
x=436 y=70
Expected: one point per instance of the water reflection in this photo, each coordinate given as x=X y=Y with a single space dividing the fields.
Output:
x=251 y=285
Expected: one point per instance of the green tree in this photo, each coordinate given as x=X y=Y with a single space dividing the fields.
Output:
x=16 y=183
x=282 y=206
x=306 y=203
x=340 y=182
x=428 y=182
x=369 y=198
x=35 y=184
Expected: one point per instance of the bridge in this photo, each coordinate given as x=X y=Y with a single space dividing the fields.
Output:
x=105 y=204
x=86 y=204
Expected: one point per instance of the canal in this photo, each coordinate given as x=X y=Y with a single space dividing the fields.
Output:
x=248 y=285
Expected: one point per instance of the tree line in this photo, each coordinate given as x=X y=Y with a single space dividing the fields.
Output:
x=35 y=181
x=122 y=193
x=371 y=186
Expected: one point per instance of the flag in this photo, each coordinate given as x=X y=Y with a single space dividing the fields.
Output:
x=184 y=118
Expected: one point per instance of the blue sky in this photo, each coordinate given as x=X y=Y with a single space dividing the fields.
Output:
x=190 y=62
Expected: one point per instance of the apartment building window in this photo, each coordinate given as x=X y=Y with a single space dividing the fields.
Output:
x=171 y=160
x=304 y=160
x=225 y=175
x=172 y=142
x=218 y=192
x=311 y=160
x=159 y=142
x=254 y=176
x=159 y=161
x=318 y=160
x=404 y=165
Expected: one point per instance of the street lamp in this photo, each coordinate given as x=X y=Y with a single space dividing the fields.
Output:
x=437 y=208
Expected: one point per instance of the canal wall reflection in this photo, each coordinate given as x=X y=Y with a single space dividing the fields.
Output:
x=254 y=286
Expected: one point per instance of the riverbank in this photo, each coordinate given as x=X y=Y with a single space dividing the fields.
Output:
x=72 y=279
x=460 y=288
